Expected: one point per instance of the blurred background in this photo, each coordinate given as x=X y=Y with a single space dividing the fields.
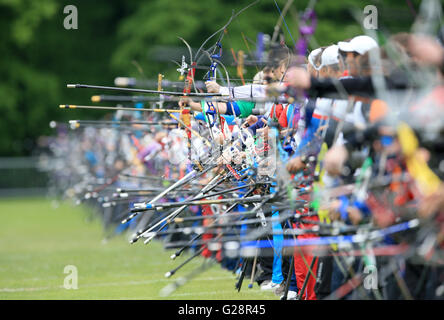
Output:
x=133 y=38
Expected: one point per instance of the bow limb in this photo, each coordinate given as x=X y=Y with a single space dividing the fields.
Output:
x=278 y=25
x=233 y=16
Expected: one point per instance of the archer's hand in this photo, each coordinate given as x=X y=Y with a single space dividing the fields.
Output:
x=354 y=215
x=432 y=203
x=334 y=160
x=219 y=139
x=333 y=210
x=252 y=119
x=295 y=165
x=212 y=86
x=263 y=132
x=184 y=102
x=298 y=78
x=426 y=50
x=187 y=102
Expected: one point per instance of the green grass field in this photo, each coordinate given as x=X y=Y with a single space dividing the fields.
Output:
x=37 y=241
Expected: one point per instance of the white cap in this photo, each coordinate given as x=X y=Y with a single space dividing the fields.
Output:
x=312 y=56
x=330 y=56
x=359 y=44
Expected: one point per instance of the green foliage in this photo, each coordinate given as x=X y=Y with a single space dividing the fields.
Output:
x=39 y=57
x=25 y=83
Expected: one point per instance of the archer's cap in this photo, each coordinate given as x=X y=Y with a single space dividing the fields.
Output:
x=312 y=56
x=359 y=44
x=330 y=56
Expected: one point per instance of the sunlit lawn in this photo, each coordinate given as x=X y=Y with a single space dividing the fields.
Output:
x=37 y=242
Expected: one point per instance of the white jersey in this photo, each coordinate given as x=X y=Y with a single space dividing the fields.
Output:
x=246 y=91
